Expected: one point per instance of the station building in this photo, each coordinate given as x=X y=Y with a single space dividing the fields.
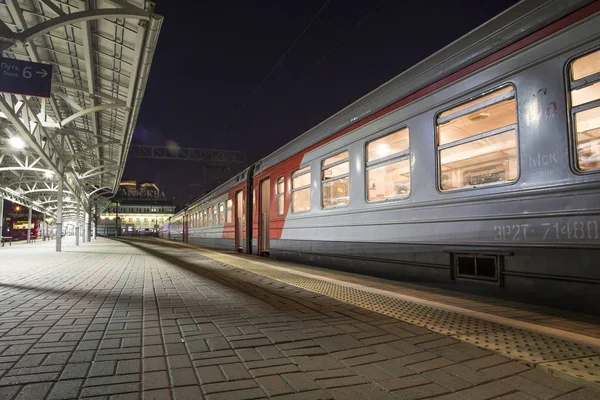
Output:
x=137 y=209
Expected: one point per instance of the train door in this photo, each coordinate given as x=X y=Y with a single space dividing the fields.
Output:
x=239 y=221
x=265 y=217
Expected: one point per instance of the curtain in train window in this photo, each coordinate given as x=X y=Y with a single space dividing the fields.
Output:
x=280 y=195
x=229 y=215
x=215 y=215
x=585 y=110
x=477 y=141
x=221 y=213
x=205 y=218
x=335 y=180
x=388 y=166
x=301 y=190
x=200 y=219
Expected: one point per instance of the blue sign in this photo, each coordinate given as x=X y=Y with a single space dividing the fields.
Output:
x=25 y=77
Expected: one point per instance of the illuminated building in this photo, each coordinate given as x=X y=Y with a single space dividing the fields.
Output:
x=137 y=209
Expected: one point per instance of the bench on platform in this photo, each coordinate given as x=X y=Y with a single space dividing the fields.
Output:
x=6 y=239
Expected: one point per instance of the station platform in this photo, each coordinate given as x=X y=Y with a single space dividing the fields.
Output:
x=146 y=318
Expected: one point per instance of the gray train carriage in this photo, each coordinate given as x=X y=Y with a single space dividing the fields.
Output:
x=479 y=168
x=486 y=177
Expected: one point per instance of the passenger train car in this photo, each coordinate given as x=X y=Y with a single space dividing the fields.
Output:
x=479 y=167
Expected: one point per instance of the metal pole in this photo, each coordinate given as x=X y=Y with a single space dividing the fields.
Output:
x=77 y=224
x=95 y=220
x=59 y=204
x=117 y=219
x=29 y=227
x=88 y=222
x=1 y=214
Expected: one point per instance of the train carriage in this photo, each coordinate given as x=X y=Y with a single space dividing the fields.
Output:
x=478 y=166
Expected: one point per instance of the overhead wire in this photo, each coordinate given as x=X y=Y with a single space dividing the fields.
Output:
x=285 y=53
x=336 y=45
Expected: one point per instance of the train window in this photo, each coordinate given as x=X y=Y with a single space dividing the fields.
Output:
x=335 y=179
x=205 y=218
x=388 y=166
x=221 y=213
x=301 y=190
x=280 y=195
x=229 y=215
x=200 y=219
x=477 y=141
x=215 y=220
x=585 y=110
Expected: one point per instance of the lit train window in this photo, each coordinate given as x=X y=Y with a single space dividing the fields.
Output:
x=205 y=218
x=301 y=190
x=221 y=213
x=280 y=195
x=200 y=219
x=229 y=215
x=585 y=110
x=335 y=179
x=477 y=141
x=388 y=166
x=215 y=219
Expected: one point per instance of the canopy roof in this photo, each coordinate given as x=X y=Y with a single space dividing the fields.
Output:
x=100 y=52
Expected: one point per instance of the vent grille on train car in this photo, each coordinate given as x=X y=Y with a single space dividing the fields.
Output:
x=476 y=266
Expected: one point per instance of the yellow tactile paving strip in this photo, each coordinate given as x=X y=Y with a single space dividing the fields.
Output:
x=566 y=358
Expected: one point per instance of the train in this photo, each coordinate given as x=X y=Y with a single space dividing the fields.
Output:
x=20 y=225
x=477 y=169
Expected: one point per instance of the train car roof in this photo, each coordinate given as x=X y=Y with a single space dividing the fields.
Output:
x=232 y=182
x=507 y=27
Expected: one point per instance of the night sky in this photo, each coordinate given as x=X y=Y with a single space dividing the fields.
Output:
x=216 y=81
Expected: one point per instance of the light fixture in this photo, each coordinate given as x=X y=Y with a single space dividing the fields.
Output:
x=48 y=174
x=383 y=149
x=67 y=198
x=17 y=142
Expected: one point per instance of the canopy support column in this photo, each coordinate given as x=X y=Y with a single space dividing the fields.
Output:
x=59 y=204
x=29 y=227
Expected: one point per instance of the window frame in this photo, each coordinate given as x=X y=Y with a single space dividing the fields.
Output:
x=337 y=177
x=309 y=187
x=281 y=179
x=496 y=100
x=229 y=211
x=383 y=161
x=221 y=213
x=572 y=110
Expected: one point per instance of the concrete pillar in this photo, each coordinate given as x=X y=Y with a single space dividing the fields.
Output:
x=77 y=224
x=59 y=215
x=29 y=226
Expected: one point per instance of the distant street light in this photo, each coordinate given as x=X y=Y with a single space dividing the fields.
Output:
x=17 y=142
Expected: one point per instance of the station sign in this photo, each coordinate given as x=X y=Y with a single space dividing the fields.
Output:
x=134 y=194
x=25 y=77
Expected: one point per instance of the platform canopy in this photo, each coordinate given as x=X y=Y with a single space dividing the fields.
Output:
x=100 y=52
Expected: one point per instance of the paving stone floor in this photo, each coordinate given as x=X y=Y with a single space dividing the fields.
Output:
x=146 y=319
